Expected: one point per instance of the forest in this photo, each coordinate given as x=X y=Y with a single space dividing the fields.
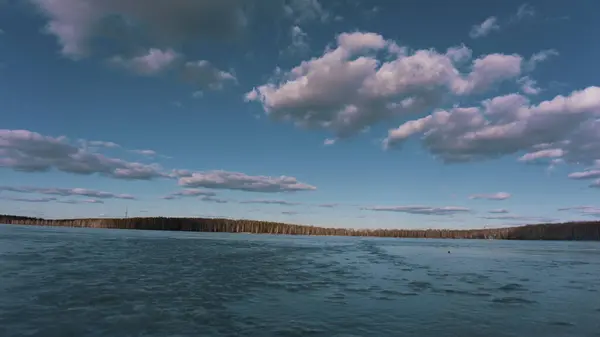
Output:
x=583 y=230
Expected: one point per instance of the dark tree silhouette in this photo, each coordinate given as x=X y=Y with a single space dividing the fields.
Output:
x=588 y=230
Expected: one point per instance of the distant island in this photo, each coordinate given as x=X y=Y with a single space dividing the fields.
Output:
x=584 y=230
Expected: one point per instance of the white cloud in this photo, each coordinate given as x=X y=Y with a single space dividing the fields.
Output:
x=348 y=88
x=510 y=124
x=147 y=153
x=329 y=141
x=542 y=154
x=153 y=62
x=420 y=210
x=483 y=29
x=498 y=211
x=540 y=56
x=242 y=182
x=27 y=151
x=493 y=196
x=529 y=85
x=590 y=174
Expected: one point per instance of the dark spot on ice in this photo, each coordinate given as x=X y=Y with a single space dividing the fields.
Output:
x=512 y=300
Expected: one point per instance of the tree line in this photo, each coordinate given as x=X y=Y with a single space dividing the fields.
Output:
x=584 y=230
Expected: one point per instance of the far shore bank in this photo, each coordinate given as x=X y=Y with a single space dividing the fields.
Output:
x=588 y=230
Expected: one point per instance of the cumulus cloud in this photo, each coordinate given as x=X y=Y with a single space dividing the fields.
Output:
x=493 y=196
x=27 y=151
x=349 y=88
x=509 y=124
x=205 y=76
x=420 y=210
x=242 y=182
x=486 y=27
x=67 y=192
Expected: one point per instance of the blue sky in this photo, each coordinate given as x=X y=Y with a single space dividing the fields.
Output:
x=343 y=113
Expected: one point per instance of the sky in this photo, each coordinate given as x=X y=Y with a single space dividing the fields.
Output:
x=338 y=113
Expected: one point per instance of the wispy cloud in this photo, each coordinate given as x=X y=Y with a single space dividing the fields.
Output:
x=524 y=11
x=592 y=211
x=271 y=202
x=485 y=28
x=493 y=196
x=67 y=192
x=29 y=199
x=189 y=193
x=492 y=23
x=520 y=218
x=420 y=210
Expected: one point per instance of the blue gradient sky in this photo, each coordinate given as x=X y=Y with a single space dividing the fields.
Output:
x=94 y=91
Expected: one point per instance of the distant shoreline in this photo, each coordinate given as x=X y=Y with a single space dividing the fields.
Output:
x=580 y=231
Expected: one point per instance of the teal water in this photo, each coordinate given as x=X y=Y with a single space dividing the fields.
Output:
x=99 y=282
